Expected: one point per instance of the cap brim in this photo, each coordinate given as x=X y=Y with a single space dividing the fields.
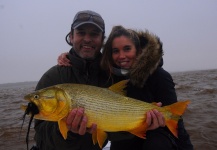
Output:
x=88 y=22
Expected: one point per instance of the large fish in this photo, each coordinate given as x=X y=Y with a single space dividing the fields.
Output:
x=109 y=108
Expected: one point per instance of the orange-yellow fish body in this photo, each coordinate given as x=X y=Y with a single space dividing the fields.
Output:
x=108 y=108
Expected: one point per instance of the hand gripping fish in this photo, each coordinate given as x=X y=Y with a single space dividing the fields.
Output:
x=109 y=108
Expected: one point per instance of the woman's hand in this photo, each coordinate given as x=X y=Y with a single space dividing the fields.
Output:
x=155 y=119
x=63 y=60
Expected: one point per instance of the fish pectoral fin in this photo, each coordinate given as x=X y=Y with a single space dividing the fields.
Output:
x=101 y=137
x=63 y=128
x=140 y=131
x=119 y=87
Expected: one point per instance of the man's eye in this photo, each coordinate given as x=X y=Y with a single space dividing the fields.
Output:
x=94 y=34
x=81 y=33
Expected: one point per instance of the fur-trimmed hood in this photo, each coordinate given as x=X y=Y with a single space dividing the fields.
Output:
x=148 y=60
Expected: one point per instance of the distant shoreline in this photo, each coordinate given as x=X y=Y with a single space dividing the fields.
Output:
x=27 y=83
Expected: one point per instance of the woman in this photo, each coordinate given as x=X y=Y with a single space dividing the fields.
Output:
x=138 y=56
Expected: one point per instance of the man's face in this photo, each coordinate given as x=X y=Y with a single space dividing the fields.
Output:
x=87 y=41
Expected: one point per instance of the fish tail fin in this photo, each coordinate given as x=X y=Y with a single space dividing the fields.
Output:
x=177 y=109
x=172 y=125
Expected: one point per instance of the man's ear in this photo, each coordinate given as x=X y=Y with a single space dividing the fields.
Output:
x=71 y=37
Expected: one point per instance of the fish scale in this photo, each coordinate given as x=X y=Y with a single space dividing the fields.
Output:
x=101 y=104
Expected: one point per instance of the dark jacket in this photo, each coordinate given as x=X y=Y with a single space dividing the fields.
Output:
x=149 y=82
x=47 y=134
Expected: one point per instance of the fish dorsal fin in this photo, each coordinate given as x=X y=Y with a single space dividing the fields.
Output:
x=119 y=87
x=63 y=128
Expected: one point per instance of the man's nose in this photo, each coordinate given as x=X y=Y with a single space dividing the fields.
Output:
x=87 y=38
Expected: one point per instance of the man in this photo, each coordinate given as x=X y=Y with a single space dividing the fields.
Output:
x=86 y=38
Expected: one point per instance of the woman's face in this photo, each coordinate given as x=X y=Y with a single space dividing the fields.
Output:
x=123 y=52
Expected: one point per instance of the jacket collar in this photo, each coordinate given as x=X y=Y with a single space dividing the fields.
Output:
x=148 y=60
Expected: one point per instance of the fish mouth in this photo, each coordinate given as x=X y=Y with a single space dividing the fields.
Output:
x=30 y=108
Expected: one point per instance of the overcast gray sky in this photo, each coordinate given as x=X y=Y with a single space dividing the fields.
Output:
x=32 y=33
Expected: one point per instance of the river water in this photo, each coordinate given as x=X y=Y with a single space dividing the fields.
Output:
x=200 y=118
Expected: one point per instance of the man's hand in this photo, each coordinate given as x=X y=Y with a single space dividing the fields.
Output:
x=155 y=119
x=77 y=122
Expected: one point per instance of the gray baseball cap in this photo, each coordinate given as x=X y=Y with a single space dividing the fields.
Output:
x=88 y=16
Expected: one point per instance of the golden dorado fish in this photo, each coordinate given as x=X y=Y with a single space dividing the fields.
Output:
x=109 y=108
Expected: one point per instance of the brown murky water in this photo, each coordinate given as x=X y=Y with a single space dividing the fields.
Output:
x=200 y=118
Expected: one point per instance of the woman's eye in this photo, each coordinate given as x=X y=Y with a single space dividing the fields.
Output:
x=127 y=48
x=114 y=51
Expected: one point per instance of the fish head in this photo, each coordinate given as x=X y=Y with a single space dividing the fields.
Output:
x=51 y=102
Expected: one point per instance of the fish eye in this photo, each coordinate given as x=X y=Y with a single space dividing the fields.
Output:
x=36 y=96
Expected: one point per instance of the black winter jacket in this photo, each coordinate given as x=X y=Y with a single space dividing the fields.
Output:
x=47 y=134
